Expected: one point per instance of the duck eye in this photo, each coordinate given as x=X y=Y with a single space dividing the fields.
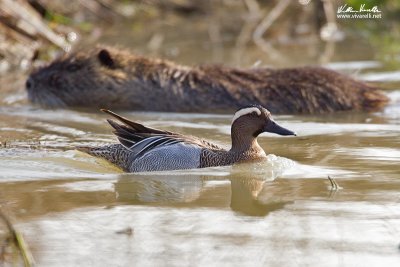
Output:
x=254 y=113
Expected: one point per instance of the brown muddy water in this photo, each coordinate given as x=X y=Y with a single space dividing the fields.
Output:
x=75 y=210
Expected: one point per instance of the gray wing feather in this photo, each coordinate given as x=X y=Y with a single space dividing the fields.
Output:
x=146 y=145
x=176 y=156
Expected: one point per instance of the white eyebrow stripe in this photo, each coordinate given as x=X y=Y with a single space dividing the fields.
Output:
x=245 y=111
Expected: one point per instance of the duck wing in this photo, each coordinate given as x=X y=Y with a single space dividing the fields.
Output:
x=137 y=127
x=140 y=139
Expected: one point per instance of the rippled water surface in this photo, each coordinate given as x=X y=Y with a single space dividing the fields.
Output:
x=75 y=210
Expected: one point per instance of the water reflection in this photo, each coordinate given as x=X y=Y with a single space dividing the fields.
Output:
x=235 y=187
x=245 y=182
x=191 y=191
x=187 y=212
x=163 y=189
x=245 y=197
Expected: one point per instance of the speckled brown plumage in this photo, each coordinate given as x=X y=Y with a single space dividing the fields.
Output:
x=112 y=78
x=114 y=153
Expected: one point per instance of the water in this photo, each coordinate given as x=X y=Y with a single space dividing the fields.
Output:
x=72 y=207
x=75 y=210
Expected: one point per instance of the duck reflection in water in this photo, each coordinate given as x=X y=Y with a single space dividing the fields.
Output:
x=239 y=190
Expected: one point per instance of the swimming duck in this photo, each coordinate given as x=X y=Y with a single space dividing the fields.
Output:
x=144 y=149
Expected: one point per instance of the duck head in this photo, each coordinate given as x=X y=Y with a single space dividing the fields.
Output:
x=250 y=121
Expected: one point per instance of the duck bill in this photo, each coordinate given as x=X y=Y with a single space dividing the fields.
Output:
x=273 y=127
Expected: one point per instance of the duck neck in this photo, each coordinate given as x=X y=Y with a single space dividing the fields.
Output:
x=243 y=142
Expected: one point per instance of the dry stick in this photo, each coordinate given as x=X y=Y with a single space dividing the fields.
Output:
x=155 y=43
x=252 y=18
x=97 y=8
x=214 y=33
x=17 y=33
x=264 y=26
x=26 y=43
x=252 y=6
x=329 y=50
x=329 y=11
x=334 y=185
x=19 y=241
x=110 y=6
x=29 y=16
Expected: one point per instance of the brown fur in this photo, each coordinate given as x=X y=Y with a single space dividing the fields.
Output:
x=111 y=78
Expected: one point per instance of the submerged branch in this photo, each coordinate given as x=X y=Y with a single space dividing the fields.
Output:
x=18 y=240
x=334 y=185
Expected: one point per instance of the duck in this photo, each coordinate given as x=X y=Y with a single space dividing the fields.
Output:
x=145 y=149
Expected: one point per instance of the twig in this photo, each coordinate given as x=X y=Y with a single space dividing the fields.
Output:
x=252 y=18
x=24 y=13
x=266 y=24
x=19 y=241
x=98 y=8
x=328 y=32
x=334 y=185
x=329 y=11
x=214 y=32
x=253 y=8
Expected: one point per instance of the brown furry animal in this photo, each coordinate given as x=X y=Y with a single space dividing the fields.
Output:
x=111 y=78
